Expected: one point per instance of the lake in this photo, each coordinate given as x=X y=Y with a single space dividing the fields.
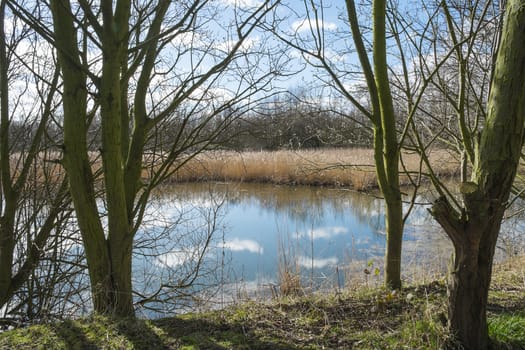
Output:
x=246 y=237
x=207 y=245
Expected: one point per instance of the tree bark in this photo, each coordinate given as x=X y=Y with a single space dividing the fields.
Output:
x=468 y=294
x=7 y=195
x=120 y=235
x=388 y=165
x=474 y=228
x=386 y=145
x=469 y=280
x=77 y=162
x=394 y=239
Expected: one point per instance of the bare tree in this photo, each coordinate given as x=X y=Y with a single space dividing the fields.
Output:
x=372 y=73
x=33 y=192
x=138 y=66
x=489 y=113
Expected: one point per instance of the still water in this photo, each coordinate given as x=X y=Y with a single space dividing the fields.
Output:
x=245 y=235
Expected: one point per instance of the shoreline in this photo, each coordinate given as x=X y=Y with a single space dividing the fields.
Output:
x=360 y=318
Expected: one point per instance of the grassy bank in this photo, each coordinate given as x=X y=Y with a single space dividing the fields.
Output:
x=327 y=167
x=362 y=318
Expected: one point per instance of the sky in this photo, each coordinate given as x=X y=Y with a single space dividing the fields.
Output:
x=189 y=52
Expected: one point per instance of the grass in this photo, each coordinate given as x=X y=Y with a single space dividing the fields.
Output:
x=362 y=318
x=509 y=328
x=327 y=167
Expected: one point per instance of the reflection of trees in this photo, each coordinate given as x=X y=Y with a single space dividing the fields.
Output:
x=299 y=203
x=176 y=264
x=511 y=240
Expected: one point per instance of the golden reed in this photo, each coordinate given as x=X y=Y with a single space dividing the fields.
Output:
x=324 y=167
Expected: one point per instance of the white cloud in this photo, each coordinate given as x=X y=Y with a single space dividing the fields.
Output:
x=227 y=46
x=239 y=245
x=305 y=261
x=335 y=56
x=243 y=3
x=188 y=39
x=307 y=24
x=172 y=259
x=217 y=94
x=324 y=232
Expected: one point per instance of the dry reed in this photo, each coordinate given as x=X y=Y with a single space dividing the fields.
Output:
x=326 y=167
x=352 y=168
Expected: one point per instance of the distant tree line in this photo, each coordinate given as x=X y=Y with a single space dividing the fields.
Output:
x=287 y=123
x=292 y=123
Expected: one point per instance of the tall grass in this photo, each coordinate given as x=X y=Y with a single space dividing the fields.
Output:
x=326 y=167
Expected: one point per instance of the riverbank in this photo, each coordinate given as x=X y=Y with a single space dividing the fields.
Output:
x=353 y=168
x=362 y=318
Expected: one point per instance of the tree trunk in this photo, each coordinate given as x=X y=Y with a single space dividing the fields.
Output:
x=109 y=270
x=474 y=243
x=394 y=239
x=474 y=228
x=121 y=270
x=108 y=256
x=386 y=145
x=114 y=137
x=468 y=293
x=7 y=245
x=112 y=291
x=7 y=196
x=388 y=168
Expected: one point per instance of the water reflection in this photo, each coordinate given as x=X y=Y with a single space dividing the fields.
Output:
x=239 y=238
x=243 y=237
x=328 y=236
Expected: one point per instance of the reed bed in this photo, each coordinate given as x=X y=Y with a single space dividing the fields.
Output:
x=352 y=168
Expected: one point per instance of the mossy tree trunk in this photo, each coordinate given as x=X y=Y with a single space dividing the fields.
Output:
x=474 y=228
x=108 y=254
x=76 y=158
x=114 y=39
x=128 y=57
x=386 y=145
